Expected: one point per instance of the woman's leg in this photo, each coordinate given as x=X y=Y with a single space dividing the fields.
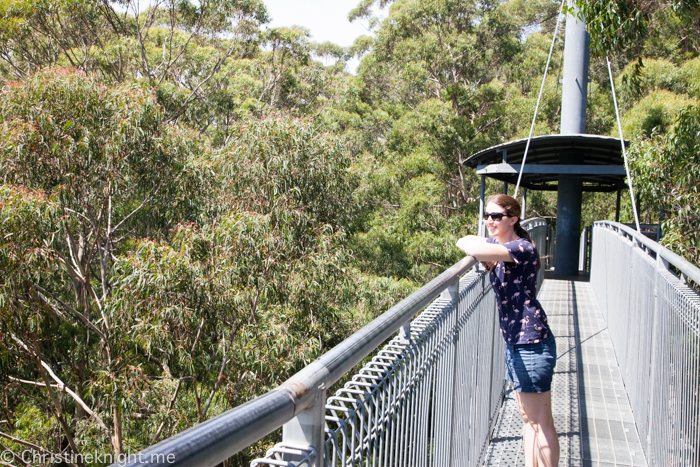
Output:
x=529 y=446
x=539 y=436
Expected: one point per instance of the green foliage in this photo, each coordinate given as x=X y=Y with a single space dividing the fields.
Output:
x=655 y=114
x=613 y=25
x=668 y=171
x=194 y=208
x=449 y=79
x=86 y=143
x=92 y=168
x=641 y=28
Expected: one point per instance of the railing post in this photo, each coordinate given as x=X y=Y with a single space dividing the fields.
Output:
x=495 y=334
x=307 y=430
x=661 y=265
x=482 y=194
x=451 y=292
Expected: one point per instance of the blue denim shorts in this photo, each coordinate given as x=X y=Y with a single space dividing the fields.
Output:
x=530 y=367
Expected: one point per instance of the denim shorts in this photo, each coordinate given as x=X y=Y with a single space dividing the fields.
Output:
x=530 y=367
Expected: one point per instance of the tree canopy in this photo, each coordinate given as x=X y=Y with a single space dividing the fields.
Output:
x=193 y=206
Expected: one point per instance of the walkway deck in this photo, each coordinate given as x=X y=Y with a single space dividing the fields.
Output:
x=591 y=410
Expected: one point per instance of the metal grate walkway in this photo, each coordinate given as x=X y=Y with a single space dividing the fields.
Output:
x=591 y=409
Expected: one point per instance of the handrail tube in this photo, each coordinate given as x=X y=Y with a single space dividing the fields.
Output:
x=332 y=365
x=219 y=438
x=689 y=269
x=215 y=440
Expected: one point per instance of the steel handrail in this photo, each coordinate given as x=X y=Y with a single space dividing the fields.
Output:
x=687 y=268
x=219 y=438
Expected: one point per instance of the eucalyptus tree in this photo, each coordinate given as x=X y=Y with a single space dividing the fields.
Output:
x=657 y=46
x=148 y=281
x=177 y=47
x=86 y=169
x=120 y=39
x=442 y=80
x=640 y=28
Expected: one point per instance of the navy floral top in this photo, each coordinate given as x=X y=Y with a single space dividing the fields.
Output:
x=523 y=321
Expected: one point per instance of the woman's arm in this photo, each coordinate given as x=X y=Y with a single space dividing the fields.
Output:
x=482 y=251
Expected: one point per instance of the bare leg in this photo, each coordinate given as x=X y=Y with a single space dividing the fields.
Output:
x=529 y=445
x=539 y=437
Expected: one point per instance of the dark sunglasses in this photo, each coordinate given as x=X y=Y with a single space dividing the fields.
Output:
x=496 y=216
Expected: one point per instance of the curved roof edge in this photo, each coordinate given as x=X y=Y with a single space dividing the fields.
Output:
x=549 y=143
x=594 y=159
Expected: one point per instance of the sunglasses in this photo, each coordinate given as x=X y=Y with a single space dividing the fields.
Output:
x=496 y=216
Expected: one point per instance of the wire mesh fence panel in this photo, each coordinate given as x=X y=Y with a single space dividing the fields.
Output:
x=423 y=402
x=653 y=318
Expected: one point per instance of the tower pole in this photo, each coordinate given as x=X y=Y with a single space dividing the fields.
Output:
x=573 y=121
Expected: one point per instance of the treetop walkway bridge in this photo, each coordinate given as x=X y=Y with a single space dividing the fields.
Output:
x=626 y=389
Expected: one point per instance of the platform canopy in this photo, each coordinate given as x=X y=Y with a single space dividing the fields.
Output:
x=596 y=159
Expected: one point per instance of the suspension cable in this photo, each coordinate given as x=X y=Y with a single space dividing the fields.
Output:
x=534 y=117
x=622 y=143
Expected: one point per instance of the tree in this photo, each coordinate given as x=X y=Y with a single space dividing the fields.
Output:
x=657 y=89
x=179 y=47
x=642 y=28
x=439 y=83
x=101 y=167
x=134 y=302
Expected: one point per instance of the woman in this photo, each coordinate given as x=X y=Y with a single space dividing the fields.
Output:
x=512 y=260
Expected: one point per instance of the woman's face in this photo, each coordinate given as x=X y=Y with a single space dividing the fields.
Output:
x=502 y=228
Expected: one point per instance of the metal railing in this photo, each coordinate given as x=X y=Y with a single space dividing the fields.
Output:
x=541 y=233
x=428 y=397
x=584 y=255
x=653 y=317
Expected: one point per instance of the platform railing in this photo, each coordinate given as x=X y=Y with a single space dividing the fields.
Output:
x=653 y=317
x=428 y=397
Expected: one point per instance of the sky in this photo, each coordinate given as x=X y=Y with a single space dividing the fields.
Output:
x=326 y=19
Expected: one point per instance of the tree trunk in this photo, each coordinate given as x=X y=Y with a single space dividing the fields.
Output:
x=117 y=444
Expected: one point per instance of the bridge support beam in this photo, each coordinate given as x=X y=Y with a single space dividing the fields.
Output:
x=573 y=121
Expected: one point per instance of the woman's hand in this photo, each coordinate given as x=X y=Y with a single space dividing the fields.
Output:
x=489 y=265
x=470 y=243
x=485 y=252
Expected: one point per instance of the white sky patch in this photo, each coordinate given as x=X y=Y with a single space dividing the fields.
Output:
x=326 y=19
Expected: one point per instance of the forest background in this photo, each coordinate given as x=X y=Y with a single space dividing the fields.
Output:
x=194 y=207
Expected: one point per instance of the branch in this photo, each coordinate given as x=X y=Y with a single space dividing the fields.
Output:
x=61 y=384
x=111 y=231
x=139 y=29
x=17 y=457
x=40 y=293
x=24 y=443
x=19 y=73
x=217 y=65
x=224 y=362
x=83 y=216
x=170 y=62
x=109 y=12
x=76 y=267
x=77 y=398
x=32 y=383
x=177 y=389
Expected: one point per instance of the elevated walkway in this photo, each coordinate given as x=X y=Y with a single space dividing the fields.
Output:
x=591 y=408
x=424 y=381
